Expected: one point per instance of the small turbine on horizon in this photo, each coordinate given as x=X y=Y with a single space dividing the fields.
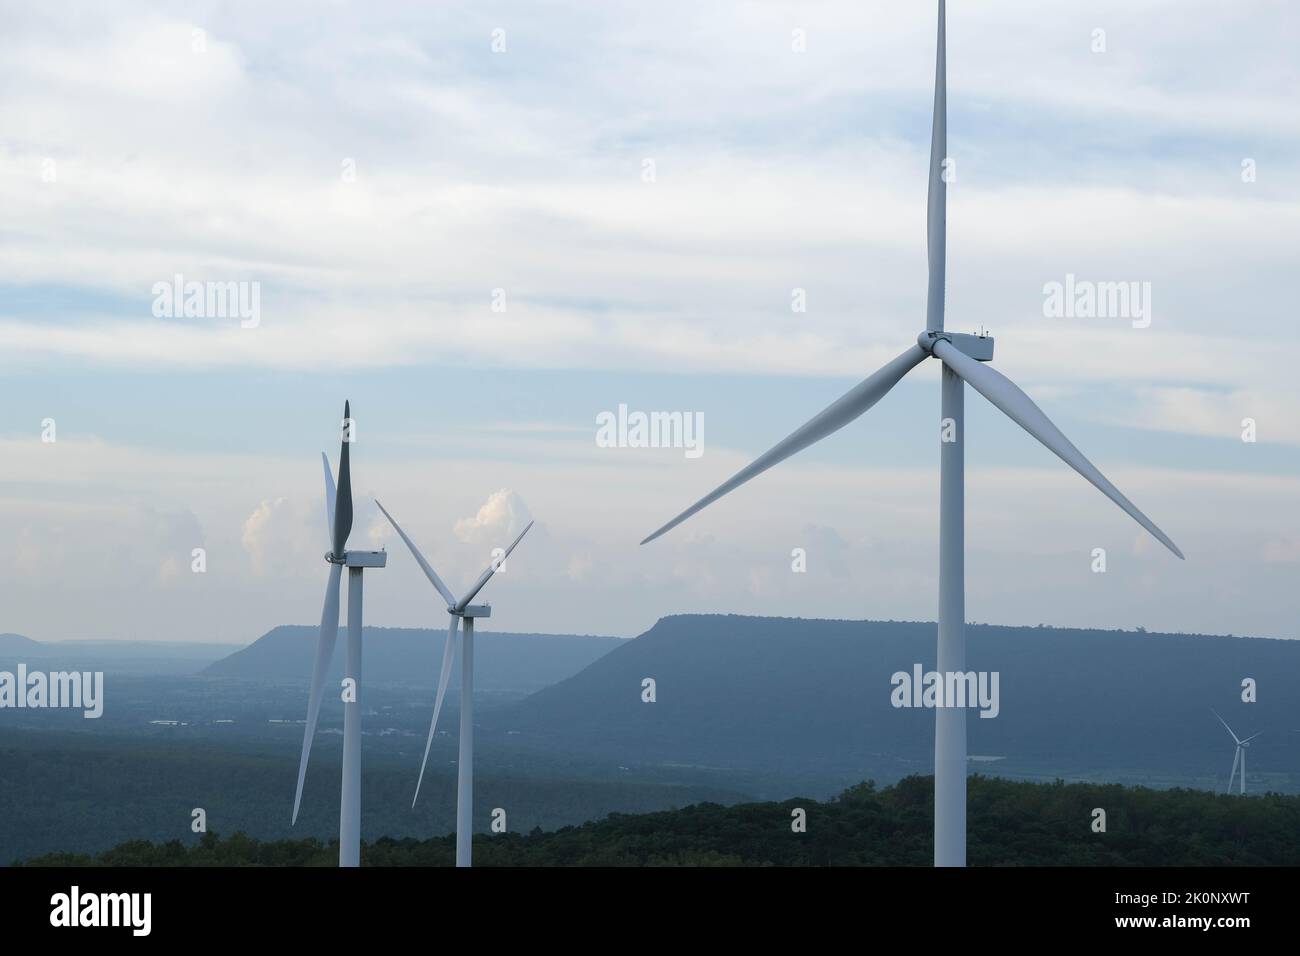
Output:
x=1238 y=756
x=963 y=359
x=457 y=609
x=338 y=518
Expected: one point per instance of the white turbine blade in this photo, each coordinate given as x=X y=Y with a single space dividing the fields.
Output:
x=1236 y=755
x=443 y=677
x=329 y=499
x=1008 y=397
x=1251 y=737
x=491 y=570
x=936 y=231
x=329 y=631
x=429 y=573
x=831 y=419
x=1225 y=725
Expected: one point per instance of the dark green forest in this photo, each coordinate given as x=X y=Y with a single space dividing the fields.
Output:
x=1011 y=823
x=87 y=793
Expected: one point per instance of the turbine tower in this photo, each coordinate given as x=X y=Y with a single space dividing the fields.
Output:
x=338 y=516
x=963 y=358
x=457 y=610
x=1238 y=756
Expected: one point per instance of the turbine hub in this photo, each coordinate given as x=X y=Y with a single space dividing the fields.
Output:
x=927 y=339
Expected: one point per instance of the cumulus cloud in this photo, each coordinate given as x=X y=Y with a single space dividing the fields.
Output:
x=378 y=531
x=281 y=536
x=173 y=535
x=496 y=522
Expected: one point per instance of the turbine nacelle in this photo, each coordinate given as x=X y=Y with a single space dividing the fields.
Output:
x=978 y=347
x=358 y=559
x=471 y=610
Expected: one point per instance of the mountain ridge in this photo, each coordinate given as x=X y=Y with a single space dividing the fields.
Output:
x=503 y=660
x=803 y=695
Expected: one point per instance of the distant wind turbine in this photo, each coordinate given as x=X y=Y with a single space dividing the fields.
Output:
x=338 y=516
x=1238 y=755
x=457 y=609
x=962 y=356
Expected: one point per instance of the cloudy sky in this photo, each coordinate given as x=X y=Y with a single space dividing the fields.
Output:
x=391 y=181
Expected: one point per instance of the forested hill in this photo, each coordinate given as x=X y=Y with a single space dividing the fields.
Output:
x=815 y=695
x=503 y=661
x=1010 y=824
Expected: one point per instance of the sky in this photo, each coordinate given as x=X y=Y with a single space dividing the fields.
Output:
x=486 y=224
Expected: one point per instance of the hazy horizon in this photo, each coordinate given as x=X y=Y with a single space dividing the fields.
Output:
x=433 y=627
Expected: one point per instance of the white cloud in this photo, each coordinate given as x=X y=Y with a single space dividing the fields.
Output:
x=496 y=522
x=282 y=536
x=174 y=534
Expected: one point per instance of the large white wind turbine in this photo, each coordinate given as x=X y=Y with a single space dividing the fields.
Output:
x=1238 y=755
x=457 y=609
x=962 y=356
x=338 y=515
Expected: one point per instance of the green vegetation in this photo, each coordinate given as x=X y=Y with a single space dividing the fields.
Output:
x=1011 y=824
x=88 y=792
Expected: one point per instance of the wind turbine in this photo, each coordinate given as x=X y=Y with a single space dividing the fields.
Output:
x=963 y=357
x=1239 y=755
x=338 y=515
x=457 y=609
